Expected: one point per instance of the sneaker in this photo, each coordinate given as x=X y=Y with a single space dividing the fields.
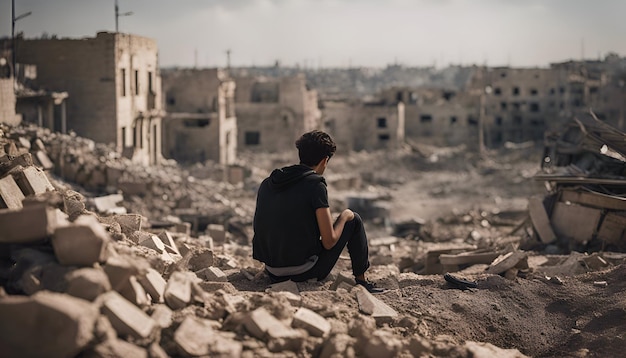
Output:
x=369 y=286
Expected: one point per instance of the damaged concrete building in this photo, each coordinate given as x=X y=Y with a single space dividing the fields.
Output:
x=113 y=86
x=273 y=112
x=364 y=125
x=201 y=123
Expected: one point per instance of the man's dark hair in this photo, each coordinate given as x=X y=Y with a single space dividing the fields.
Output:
x=314 y=146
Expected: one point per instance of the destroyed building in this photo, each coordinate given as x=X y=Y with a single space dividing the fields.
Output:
x=113 y=86
x=201 y=123
x=273 y=112
x=364 y=125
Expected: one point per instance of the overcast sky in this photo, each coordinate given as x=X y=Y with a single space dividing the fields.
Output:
x=312 y=33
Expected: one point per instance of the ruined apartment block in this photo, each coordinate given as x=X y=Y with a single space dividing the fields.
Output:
x=273 y=113
x=200 y=124
x=362 y=125
x=437 y=116
x=113 y=87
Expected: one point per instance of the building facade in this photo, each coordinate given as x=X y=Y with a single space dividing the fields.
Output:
x=200 y=124
x=113 y=85
x=273 y=112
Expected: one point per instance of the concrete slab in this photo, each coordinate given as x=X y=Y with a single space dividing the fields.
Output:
x=506 y=262
x=540 y=219
x=371 y=305
x=262 y=325
x=177 y=293
x=154 y=284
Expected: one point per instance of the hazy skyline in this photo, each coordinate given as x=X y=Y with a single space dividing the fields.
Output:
x=341 y=33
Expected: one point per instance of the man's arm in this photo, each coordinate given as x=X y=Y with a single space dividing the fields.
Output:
x=331 y=232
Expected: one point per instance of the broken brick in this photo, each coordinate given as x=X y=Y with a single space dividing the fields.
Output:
x=82 y=243
x=126 y=318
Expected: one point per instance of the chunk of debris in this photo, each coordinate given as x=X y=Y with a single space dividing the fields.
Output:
x=315 y=324
x=374 y=307
x=82 y=243
x=125 y=317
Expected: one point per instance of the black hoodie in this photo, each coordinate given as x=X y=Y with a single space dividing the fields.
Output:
x=286 y=232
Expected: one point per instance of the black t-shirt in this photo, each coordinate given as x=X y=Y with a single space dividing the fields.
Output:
x=286 y=232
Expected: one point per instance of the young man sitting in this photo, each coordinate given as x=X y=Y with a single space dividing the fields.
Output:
x=292 y=213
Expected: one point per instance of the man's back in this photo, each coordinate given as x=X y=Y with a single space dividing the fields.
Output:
x=286 y=232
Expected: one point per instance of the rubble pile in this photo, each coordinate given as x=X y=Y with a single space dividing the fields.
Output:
x=585 y=172
x=74 y=282
x=165 y=194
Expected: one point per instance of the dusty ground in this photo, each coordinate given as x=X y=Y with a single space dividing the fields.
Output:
x=532 y=314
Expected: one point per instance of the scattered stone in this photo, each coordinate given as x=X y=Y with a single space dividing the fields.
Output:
x=32 y=181
x=88 y=283
x=119 y=270
x=154 y=243
x=341 y=279
x=487 y=350
x=162 y=315
x=600 y=283
x=196 y=337
x=315 y=324
x=30 y=224
x=10 y=194
x=118 y=348
x=154 y=284
x=288 y=286
x=108 y=203
x=506 y=262
x=134 y=292
x=178 y=291
x=125 y=317
x=45 y=325
x=212 y=274
x=262 y=325
x=371 y=305
x=129 y=223
x=82 y=243
x=200 y=259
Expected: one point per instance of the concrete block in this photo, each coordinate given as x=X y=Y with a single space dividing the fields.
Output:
x=177 y=293
x=88 y=283
x=154 y=243
x=313 y=323
x=119 y=269
x=162 y=315
x=154 y=284
x=43 y=160
x=288 y=286
x=575 y=222
x=201 y=258
x=82 y=243
x=106 y=203
x=196 y=337
x=134 y=292
x=117 y=348
x=217 y=232
x=32 y=181
x=371 y=305
x=262 y=325
x=11 y=195
x=342 y=278
x=129 y=223
x=212 y=274
x=168 y=240
x=125 y=317
x=506 y=262
x=45 y=325
x=30 y=224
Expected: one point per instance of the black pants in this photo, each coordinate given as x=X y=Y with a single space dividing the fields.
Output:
x=353 y=236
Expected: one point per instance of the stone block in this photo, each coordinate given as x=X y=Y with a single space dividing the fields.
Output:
x=168 y=240
x=162 y=315
x=154 y=243
x=154 y=284
x=88 y=283
x=129 y=223
x=201 y=258
x=177 y=293
x=45 y=325
x=134 y=292
x=117 y=348
x=119 y=269
x=32 y=181
x=371 y=305
x=212 y=274
x=30 y=224
x=82 y=243
x=125 y=317
x=342 y=278
x=506 y=262
x=262 y=325
x=196 y=337
x=217 y=232
x=313 y=323
x=11 y=195
x=43 y=160
x=287 y=286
